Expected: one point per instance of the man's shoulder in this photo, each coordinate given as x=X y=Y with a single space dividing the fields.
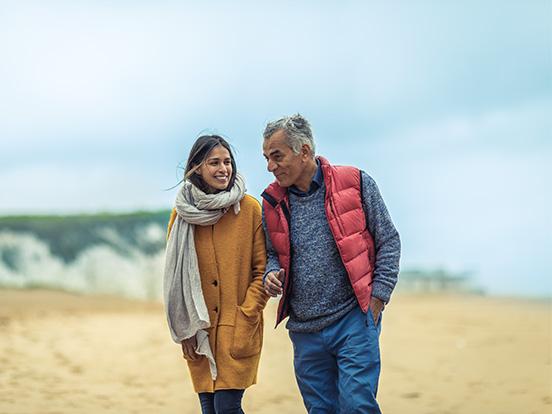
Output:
x=273 y=194
x=345 y=176
x=366 y=177
x=367 y=180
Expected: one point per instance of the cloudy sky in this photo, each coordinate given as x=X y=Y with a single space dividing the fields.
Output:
x=446 y=104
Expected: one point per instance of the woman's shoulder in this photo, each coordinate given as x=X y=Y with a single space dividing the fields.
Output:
x=250 y=201
x=250 y=204
x=172 y=217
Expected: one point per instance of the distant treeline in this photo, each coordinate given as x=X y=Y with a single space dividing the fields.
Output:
x=68 y=235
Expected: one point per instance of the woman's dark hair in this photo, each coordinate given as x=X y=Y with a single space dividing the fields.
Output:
x=198 y=154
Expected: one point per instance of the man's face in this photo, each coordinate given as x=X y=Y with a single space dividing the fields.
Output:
x=286 y=166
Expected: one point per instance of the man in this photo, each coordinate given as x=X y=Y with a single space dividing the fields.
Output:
x=333 y=255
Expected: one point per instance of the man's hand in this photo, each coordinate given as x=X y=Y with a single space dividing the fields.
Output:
x=376 y=306
x=188 y=349
x=274 y=282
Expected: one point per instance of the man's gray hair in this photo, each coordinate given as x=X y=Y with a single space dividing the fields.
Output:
x=297 y=129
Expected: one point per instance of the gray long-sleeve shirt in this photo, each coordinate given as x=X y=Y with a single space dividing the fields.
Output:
x=321 y=291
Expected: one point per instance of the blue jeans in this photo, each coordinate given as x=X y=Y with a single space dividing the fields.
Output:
x=221 y=402
x=337 y=369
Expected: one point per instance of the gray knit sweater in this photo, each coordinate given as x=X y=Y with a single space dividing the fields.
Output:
x=321 y=292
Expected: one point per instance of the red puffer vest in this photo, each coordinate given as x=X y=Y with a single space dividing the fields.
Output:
x=343 y=206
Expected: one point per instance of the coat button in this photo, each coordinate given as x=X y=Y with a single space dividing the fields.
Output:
x=215 y=282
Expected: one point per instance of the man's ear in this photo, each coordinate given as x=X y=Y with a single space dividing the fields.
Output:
x=305 y=151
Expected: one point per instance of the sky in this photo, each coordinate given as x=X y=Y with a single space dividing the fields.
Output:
x=446 y=104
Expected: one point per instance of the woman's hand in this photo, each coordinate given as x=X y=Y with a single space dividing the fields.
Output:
x=188 y=348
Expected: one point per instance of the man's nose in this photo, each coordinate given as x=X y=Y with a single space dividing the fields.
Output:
x=271 y=166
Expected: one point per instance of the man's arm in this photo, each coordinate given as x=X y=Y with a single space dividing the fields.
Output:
x=386 y=240
x=273 y=276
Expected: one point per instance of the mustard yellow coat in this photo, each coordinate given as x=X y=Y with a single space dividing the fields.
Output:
x=231 y=256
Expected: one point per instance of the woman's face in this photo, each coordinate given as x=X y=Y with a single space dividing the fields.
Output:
x=216 y=170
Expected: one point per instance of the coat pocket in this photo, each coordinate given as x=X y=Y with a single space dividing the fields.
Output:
x=248 y=335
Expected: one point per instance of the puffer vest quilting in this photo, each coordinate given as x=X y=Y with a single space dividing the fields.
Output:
x=347 y=222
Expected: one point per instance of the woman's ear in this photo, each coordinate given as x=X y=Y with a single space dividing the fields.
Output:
x=195 y=170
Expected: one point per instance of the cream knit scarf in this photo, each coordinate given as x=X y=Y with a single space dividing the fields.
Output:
x=185 y=307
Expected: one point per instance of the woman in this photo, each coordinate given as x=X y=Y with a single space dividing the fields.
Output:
x=216 y=258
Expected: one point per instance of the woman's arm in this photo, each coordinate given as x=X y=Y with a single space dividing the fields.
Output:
x=256 y=298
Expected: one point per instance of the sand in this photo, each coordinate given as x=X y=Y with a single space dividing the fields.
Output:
x=65 y=353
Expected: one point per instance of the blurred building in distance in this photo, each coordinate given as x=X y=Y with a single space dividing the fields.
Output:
x=437 y=281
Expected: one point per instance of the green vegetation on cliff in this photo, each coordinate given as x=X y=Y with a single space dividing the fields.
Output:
x=68 y=235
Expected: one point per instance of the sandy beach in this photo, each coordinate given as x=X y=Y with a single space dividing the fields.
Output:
x=66 y=353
